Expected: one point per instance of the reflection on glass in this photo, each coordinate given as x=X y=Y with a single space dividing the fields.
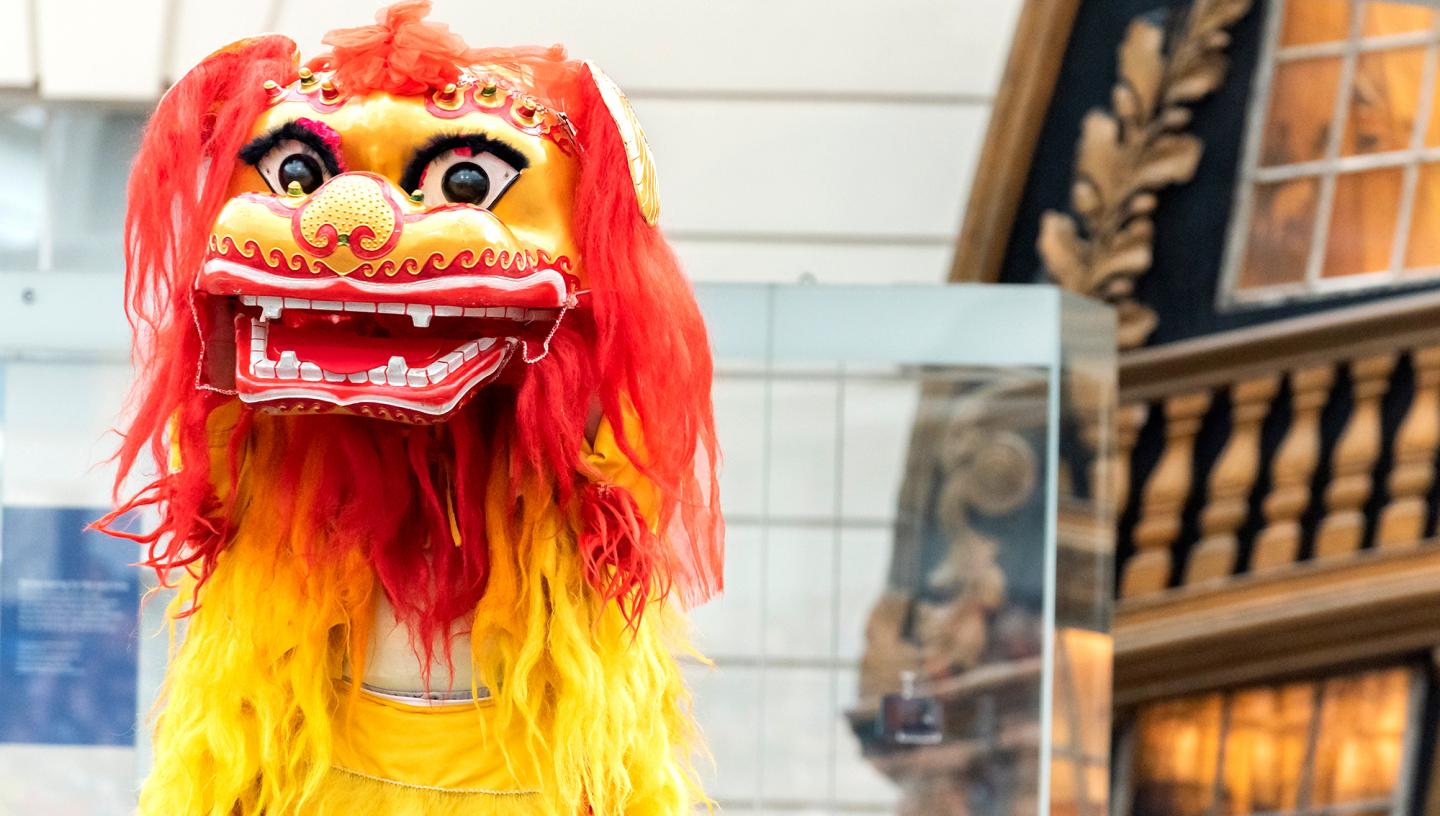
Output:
x=1362 y=736
x=1424 y=244
x=1297 y=749
x=1302 y=106
x=1381 y=19
x=1269 y=730
x=1315 y=21
x=1362 y=224
x=1384 y=100
x=1281 y=225
x=1176 y=757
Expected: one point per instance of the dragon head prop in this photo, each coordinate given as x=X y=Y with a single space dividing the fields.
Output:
x=393 y=237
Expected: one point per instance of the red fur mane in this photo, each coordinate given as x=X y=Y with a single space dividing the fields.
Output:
x=636 y=346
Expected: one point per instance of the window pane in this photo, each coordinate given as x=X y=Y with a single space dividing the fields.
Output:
x=1302 y=105
x=1362 y=227
x=1424 y=249
x=1394 y=18
x=1175 y=757
x=1362 y=737
x=1384 y=101
x=1265 y=748
x=1281 y=225
x=1313 y=21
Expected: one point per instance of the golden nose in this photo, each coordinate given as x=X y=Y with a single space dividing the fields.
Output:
x=354 y=210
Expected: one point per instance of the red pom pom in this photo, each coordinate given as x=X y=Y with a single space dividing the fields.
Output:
x=401 y=54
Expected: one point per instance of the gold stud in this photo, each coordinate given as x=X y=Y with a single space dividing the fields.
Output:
x=307 y=76
x=417 y=196
x=294 y=189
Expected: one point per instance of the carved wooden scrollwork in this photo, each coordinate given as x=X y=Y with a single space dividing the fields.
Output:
x=1129 y=153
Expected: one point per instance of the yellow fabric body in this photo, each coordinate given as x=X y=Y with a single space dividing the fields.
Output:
x=588 y=712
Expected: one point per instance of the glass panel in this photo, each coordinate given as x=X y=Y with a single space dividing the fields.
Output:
x=1302 y=107
x=1315 y=21
x=1384 y=101
x=1282 y=224
x=1362 y=227
x=1381 y=19
x=89 y=165
x=1265 y=748
x=22 y=132
x=1362 y=737
x=1176 y=757
x=1424 y=248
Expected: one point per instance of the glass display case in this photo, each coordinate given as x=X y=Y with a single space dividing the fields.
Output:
x=917 y=484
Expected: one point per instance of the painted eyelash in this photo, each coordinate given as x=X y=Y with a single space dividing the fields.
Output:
x=253 y=152
x=478 y=142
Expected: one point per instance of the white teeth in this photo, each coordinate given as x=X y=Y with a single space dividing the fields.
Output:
x=390 y=308
x=514 y=312
x=248 y=300
x=296 y=303
x=289 y=366
x=270 y=307
x=368 y=308
x=495 y=311
x=395 y=371
x=474 y=312
x=420 y=315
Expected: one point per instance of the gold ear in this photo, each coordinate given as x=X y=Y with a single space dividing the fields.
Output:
x=637 y=149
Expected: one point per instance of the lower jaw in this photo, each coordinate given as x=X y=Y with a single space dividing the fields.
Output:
x=395 y=391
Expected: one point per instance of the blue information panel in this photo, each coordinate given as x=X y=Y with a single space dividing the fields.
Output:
x=68 y=630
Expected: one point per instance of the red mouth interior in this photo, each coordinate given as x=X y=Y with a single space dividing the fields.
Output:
x=349 y=343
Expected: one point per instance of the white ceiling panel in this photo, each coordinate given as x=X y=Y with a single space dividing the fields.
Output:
x=858 y=170
x=17 y=58
x=100 y=49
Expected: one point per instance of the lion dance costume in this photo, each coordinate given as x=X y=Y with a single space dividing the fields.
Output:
x=431 y=398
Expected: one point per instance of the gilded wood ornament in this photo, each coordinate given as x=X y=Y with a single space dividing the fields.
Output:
x=1128 y=154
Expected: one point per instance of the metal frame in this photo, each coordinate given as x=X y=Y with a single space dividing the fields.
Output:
x=1327 y=169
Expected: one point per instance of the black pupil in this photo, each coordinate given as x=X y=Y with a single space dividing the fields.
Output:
x=300 y=168
x=466 y=183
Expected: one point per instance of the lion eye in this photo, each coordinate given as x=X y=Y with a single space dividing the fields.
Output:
x=467 y=176
x=289 y=162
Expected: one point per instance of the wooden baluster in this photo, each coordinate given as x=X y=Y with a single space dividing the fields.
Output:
x=1353 y=460
x=1231 y=480
x=1129 y=419
x=1148 y=571
x=1402 y=522
x=1291 y=469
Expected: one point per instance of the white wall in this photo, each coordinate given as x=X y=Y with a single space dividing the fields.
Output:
x=826 y=138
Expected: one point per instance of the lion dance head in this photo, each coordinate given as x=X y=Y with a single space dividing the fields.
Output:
x=407 y=333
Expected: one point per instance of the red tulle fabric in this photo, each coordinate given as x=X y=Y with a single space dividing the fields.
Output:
x=636 y=346
x=401 y=53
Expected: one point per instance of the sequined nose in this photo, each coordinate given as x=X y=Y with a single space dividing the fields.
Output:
x=354 y=211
